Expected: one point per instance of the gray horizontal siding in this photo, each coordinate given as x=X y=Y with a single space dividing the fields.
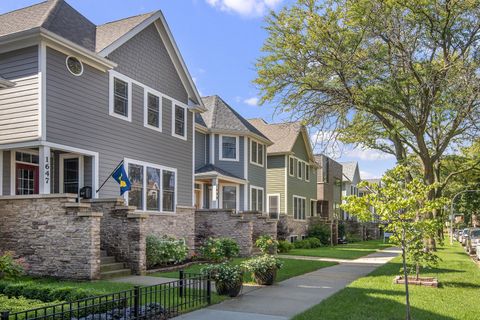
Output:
x=200 y=149
x=234 y=167
x=77 y=115
x=19 y=105
x=275 y=162
x=257 y=176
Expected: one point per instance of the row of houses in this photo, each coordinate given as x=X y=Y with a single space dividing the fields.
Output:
x=76 y=99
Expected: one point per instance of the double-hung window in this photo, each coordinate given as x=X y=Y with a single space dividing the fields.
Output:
x=153 y=111
x=153 y=187
x=120 y=101
x=299 y=208
x=256 y=153
x=229 y=148
x=291 y=166
x=179 y=121
x=256 y=198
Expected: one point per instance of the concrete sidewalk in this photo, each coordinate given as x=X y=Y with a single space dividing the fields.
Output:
x=295 y=295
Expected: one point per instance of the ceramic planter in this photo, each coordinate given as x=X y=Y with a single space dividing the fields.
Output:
x=228 y=289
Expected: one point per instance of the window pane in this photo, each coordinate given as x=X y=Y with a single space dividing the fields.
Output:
x=229 y=197
x=254 y=199
x=229 y=147
x=120 y=105
x=260 y=200
x=153 y=110
x=273 y=204
x=307 y=172
x=260 y=154
x=292 y=166
x=303 y=209
x=168 y=191
x=254 y=151
x=295 y=208
x=179 y=121
x=153 y=189
x=135 y=195
x=70 y=175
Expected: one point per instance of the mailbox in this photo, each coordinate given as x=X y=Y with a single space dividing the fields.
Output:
x=86 y=193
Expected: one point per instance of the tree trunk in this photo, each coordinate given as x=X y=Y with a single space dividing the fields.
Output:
x=417 y=271
x=405 y=275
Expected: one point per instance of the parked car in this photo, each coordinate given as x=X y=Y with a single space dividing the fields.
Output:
x=472 y=240
x=462 y=236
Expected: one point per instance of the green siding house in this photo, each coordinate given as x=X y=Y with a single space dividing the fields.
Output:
x=291 y=174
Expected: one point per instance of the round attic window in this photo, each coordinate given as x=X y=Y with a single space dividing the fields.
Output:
x=74 y=65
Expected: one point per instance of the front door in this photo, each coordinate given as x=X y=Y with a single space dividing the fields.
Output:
x=26 y=179
x=70 y=173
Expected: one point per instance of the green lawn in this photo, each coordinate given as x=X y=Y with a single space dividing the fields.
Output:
x=376 y=297
x=343 y=251
x=291 y=268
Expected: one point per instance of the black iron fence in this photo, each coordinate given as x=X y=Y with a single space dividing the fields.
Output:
x=162 y=301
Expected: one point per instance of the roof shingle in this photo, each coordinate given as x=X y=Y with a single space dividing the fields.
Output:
x=283 y=135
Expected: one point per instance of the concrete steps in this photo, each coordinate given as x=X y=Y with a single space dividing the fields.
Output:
x=110 y=268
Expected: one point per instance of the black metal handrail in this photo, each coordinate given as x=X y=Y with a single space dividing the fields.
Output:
x=161 y=301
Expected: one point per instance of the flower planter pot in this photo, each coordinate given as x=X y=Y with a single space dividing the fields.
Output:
x=421 y=281
x=228 y=289
x=265 y=278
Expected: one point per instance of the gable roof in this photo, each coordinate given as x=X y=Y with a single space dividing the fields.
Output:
x=349 y=169
x=59 y=18
x=221 y=117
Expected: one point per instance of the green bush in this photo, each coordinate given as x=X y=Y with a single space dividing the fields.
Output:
x=267 y=244
x=21 y=304
x=341 y=230
x=220 y=249
x=284 y=246
x=314 y=242
x=45 y=293
x=11 y=268
x=165 y=250
x=262 y=264
x=351 y=237
x=321 y=232
x=302 y=244
x=224 y=272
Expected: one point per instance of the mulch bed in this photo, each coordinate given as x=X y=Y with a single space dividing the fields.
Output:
x=421 y=281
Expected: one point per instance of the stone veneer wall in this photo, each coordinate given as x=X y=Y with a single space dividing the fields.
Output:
x=224 y=223
x=262 y=225
x=57 y=236
x=293 y=227
x=365 y=231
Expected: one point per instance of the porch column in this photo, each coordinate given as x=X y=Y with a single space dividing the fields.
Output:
x=44 y=174
x=215 y=193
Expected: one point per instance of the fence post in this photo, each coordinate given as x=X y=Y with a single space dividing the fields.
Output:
x=5 y=315
x=136 y=301
x=182 y=277
x=209 y=290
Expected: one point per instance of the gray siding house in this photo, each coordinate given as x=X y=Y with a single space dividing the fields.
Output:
x=76 y=99
x=350 y=181
x=329 y=187
x=230 y=160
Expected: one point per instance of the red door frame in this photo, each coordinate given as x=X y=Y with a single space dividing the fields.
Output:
x=35 y=175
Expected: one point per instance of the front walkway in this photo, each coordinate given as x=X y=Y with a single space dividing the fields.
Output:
x=295 y=295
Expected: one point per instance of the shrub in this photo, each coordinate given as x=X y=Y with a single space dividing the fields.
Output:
x=321 y=232
x=302 y=244
x=351 y=237
x=21 y=304
x=262 y=264
x=220 y=249
x=224 y=272
x=11 y=268
x=314 y=242
x=165 y=250
x=341 y=230
x=267 y=244
x=284 y=246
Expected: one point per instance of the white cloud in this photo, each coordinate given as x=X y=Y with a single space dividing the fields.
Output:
x=368 y=154
x=367 y=175
x=247 y=8
x=253 y=101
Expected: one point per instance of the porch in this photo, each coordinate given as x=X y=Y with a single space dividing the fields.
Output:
x=41 y=168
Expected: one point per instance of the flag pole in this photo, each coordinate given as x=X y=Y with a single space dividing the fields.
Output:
x=121 y=162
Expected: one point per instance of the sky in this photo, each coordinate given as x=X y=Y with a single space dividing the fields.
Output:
x=220 y=41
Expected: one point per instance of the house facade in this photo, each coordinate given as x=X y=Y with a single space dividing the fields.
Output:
x=291 y=175
x=329 y=187
x=81 y=98
x=350 y=181
x=230 y=160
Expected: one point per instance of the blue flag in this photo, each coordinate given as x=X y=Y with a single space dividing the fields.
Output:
x=120 y=175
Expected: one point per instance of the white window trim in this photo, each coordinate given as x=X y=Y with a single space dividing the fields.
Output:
x=202 y=191
x=288 y=166
x=263 y=196
x=147 y=91
x=220 y=193
x=128 y=161
x=268 y=201
x=263 y=153
x=81 y=65
x=112 y=76
x=185 y=131
x=220 y=147
x=13 y=167
x=293 y=207
x=81 y=173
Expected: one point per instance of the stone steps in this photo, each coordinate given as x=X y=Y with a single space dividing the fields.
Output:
x=110 y=268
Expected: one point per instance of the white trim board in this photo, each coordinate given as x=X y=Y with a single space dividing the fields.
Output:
x=220 y=148
x=81 y=172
